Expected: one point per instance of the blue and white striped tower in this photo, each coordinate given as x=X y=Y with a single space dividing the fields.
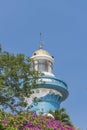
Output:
x=49 y=95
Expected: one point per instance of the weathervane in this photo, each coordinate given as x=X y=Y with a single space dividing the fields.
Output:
x=41 y=43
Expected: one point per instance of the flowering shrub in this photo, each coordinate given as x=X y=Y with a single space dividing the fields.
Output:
x=30 y=121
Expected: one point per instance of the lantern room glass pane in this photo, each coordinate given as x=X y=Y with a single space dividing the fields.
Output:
x=42 y=65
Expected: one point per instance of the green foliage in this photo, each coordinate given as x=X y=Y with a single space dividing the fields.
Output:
x=15 y=80
x=62 y=116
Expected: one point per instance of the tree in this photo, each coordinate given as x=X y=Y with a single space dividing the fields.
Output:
x=15 y=80
x=62 y=116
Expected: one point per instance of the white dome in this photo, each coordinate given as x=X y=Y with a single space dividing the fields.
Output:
x=41 y=52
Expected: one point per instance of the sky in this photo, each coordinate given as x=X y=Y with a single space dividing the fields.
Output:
x=63 y=24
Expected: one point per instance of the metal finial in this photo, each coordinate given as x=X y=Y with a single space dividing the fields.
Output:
x=41 y=46
x=41 y=43
x=40 y=36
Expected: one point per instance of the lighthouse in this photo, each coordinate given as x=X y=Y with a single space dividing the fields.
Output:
x=51 y=91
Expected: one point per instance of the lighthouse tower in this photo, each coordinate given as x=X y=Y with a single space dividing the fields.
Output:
x=53 y=91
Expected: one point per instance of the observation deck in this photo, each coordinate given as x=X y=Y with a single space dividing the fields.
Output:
x=50 y=82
